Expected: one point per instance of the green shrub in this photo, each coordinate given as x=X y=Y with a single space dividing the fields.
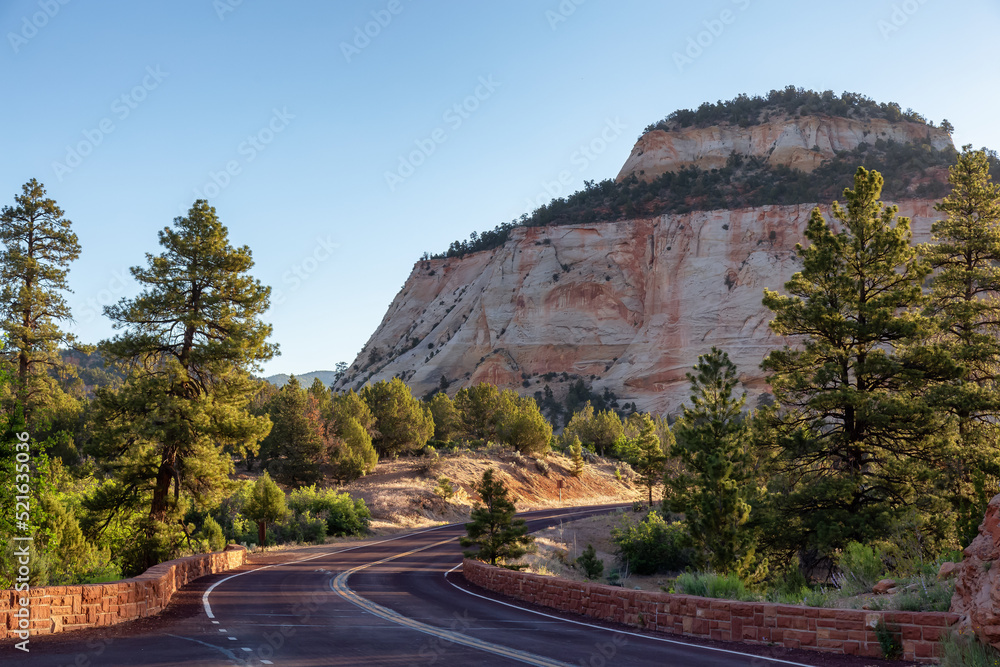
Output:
x=861 y=568
x=958 y=650
x=888 y=639
x=300 y=528
x=652 y=545
x=791 y=587
x=211 y=535
x=444 y=488
x=593 y=567
x=343 y=515
x=711 y=585
x=928 y=596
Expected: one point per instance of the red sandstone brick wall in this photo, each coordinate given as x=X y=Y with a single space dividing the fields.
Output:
x=847 y=631
x=63 y=608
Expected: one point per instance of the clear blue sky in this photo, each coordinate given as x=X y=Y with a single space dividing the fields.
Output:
x=162 y=95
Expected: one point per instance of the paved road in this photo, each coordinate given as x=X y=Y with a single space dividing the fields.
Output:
x=391 y=602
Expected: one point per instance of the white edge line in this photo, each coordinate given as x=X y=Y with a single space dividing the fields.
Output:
x=208 y=607
x=624 y=632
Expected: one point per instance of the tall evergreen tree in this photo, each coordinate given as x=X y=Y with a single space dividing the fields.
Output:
x=402 y=423
x=650 y=459
x=716 y=484
x=499 y=536
x=39 y=245
x=296 y=445
x=965 y=301
x=862 y=440
x=188 y=342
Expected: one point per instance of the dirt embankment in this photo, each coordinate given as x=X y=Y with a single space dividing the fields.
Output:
x=401 y=493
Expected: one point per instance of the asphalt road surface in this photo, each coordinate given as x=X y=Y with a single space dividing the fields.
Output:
x=392 y=602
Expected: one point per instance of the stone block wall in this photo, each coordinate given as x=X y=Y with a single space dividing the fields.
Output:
x=847 y=631
x=64 y=608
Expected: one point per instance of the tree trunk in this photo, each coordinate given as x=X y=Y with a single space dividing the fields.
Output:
x=261 y=533
x=164 y=476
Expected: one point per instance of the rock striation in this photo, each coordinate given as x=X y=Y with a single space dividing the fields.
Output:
x=797 y=142
x=625 y=305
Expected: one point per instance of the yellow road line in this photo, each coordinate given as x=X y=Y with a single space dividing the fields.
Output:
x=339 y=586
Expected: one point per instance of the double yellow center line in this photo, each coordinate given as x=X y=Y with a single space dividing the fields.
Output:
x=339 y=586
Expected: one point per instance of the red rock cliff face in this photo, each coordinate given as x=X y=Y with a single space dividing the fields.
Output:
x=626 y=305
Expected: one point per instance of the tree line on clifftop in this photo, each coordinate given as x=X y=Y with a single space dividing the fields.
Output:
x=908 y=170
x=881 y=435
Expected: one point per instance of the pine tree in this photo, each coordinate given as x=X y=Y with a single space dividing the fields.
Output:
x=965 y=302
x=498 y=535
x=265 y=505
x=188 y=343
x=650 y=460
x=860 y=438
x=39 y=245
x=296 y=444
x=446 y=418
x=714 y=489
x=401 y=421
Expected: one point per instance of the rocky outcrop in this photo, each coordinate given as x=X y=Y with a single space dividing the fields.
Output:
x=977 y=584
x=797 y=142
x=625 y=305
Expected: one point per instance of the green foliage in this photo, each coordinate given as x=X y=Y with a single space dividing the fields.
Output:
x=447 y=422
x=211 y=535
x=652 y=545
x=265 y=505
x=343 y=514
x=861 y=567
x=521 y=425
x=744 y=110
x=965 y=303
x=444 y=489
x=499 y=536
x=38 y=246
x=965 y=650
x=477 y=407
x=599 y=430
x=593 y=567
x=717 y=485
x=712 y=585
x=189 y=341
x=909 y=169
x=650 y=460
x=402 y=423
x=295 y=447
x=888 y=640
x=857 y=439
x=927 y=596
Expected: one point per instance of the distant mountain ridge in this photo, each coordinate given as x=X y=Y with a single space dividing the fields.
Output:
x=306 y=379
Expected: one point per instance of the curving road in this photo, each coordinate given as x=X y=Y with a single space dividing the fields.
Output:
x=395 y=601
